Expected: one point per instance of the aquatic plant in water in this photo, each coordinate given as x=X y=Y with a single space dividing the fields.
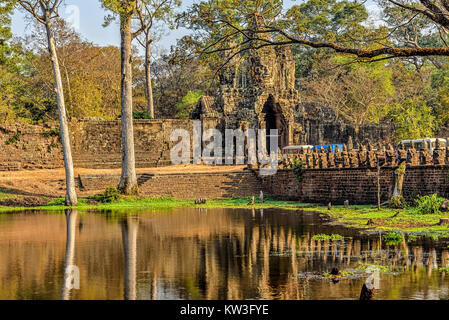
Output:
x=379 y=267
x=341 y=274
x=323 y=237
x=444 y=270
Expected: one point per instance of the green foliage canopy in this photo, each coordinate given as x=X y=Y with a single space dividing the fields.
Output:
x=187 y=103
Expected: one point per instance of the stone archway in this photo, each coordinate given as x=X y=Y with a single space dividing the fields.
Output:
x=274 y=119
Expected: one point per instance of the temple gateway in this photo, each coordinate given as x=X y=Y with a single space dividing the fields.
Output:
x=258 y=91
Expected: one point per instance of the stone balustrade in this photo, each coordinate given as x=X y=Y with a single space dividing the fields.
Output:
x=368 y=156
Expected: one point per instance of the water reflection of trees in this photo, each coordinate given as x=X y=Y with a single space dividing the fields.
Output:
x=210 y=254
x=71 y=217
x=247 y=255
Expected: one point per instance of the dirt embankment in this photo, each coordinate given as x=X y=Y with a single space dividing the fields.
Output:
x=29 y=188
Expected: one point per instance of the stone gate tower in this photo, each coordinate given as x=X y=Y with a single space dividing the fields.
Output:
x=256 y=90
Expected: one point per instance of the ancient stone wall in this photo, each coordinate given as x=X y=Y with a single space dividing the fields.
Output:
x=368 y=157
x=321 y=125
x=443 y=131
x=352 y=174
x=358 y=185
x=29 y=147
x=186 y=185
x=95 y=144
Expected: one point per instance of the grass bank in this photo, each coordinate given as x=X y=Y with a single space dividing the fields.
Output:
x=165 y=203
x=397 y=220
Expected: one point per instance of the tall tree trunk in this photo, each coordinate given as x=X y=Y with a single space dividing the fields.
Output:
x=378 y=184
x=128 y=179
x=149 y=87
x=69 y=89
x=70 y=197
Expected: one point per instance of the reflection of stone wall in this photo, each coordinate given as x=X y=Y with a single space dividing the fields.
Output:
x=208 y=254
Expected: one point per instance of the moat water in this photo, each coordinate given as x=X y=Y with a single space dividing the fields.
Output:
x=206 y=254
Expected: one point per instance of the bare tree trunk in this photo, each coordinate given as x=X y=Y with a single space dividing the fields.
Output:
x=128 y=179
x=149 y=87
x=70 y=197
x=69 y=89
x=378 y=184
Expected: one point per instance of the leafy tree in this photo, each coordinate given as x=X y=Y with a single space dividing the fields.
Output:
x=8 y=65
x=151 y=12
x=176 y=74
x=6 y=8
x=7 y=95
x=285 y=31
x=359 y=93
x=187 y=103
x=440 y=85
x=412 y=120
x=325 y=20
x=329 y=20
x=45 y=11
x=410 y=29
x=125 y=10
x=90 y=73
x=215 y=23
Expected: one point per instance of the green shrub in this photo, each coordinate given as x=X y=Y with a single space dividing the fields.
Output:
x=392 y=238
x=51 y=133
x=187 y=104
x=298 y=169
x=111 y=194
x=141 y=115
x=428 y=204
x=401 y=168
x=397 y=202
x=13 y=139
